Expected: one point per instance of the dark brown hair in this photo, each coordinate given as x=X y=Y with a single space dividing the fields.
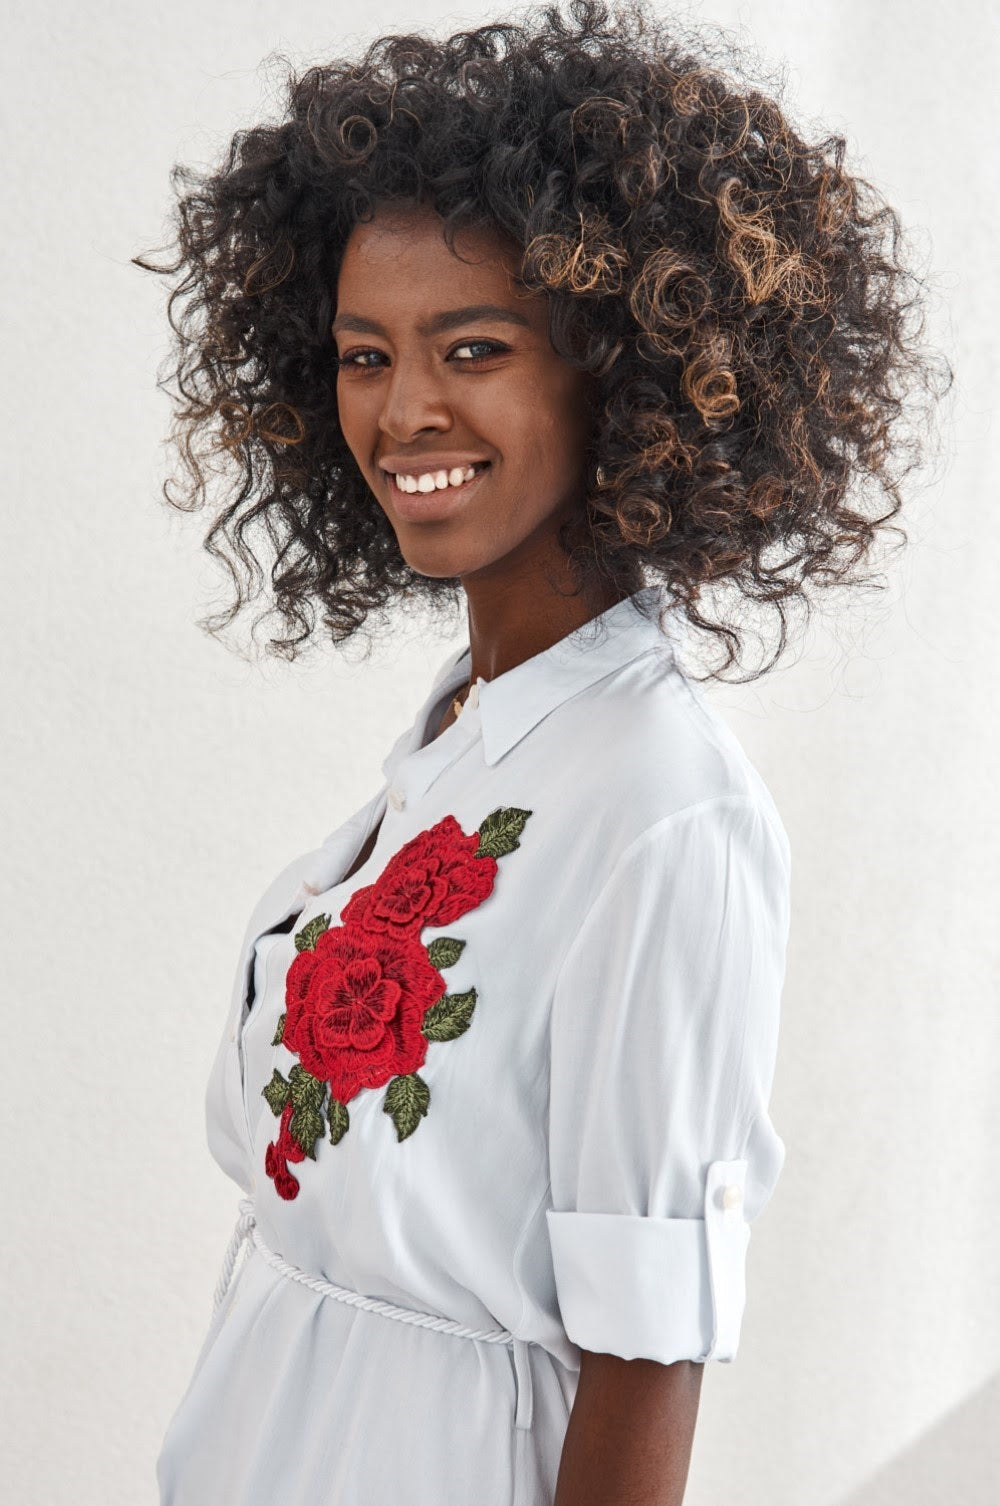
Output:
x=741 y=300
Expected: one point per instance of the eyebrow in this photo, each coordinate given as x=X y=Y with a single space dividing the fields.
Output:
x=437 y=324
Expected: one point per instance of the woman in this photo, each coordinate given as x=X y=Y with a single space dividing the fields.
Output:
x=557 y=322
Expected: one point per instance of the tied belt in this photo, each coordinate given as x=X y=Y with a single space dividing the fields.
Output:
x=246 y=1229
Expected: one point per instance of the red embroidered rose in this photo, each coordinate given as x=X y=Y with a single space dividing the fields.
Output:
x=433 y=880
x=355 y=1005
x=364 y=999
x=277 y=1157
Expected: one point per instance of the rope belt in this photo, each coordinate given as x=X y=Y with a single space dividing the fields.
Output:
x=246 y=1229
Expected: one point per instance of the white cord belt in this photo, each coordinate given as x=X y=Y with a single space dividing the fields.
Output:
x=246 y=1229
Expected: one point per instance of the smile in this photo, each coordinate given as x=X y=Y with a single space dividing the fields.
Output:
x=440 y=480
x=439 y=501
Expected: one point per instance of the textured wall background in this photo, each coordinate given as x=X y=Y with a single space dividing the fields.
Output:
x=153 y=784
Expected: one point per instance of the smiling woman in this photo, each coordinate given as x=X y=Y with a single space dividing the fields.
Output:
x=559 y=323
x=474 y=386
x=737 y=302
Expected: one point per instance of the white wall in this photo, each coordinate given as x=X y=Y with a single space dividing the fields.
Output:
x=153 y=784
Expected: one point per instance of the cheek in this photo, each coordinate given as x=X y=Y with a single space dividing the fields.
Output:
x=551 y=426
x=351 y=414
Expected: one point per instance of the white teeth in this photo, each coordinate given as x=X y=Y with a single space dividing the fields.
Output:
x=431 y=481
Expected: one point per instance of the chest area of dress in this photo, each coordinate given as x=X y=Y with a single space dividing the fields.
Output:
x=405 y=1011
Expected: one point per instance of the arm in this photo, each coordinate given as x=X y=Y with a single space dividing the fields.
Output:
x=630 y=1433
x=661 y=1148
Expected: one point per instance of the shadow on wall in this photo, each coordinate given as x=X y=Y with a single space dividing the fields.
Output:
x=964 y=1446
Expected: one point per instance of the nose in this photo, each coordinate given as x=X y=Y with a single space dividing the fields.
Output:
x=413 y=401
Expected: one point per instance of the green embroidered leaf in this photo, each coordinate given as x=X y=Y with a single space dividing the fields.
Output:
x=308 y=1092
x=500 y=831
x=406 y=1099
x=450 y=1017
x=306 y=1127
x=340 y=1120
x=279 y=1033
x=444 y=951
x=277 y=1092
x=306 y=939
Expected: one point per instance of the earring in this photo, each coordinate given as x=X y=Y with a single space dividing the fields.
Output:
x=601 y=476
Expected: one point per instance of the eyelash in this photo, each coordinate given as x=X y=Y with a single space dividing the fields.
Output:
x=350 y=359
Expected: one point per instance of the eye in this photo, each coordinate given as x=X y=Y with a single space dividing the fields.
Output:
x=351 y=359
x=491 y=348
x=354 y=359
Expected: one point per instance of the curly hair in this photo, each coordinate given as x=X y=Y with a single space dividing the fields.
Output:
x=741 y=301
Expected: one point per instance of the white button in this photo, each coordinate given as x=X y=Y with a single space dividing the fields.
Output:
x=397 y=799
x=472 y=699
x=732 y=1196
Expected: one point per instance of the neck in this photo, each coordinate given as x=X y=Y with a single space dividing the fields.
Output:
x=512 y=621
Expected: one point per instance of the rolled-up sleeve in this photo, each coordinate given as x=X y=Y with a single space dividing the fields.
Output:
x=663 y=1045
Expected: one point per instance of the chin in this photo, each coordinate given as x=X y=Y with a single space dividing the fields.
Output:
x=448 y=560
x=437 y=565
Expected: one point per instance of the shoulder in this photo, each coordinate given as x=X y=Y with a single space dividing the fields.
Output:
x=658 y=757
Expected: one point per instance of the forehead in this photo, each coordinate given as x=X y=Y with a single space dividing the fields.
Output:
x=400 y=259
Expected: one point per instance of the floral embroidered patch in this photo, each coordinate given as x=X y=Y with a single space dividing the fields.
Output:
x=364 y=999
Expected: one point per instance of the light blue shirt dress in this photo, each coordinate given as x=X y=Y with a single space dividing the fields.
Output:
x=500 y=1096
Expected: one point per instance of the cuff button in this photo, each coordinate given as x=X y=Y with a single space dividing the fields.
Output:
x=397 y=799
x=732 y=1196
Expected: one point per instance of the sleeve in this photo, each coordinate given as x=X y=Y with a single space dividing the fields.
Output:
x=663 y=1043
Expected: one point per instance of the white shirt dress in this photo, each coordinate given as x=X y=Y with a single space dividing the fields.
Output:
x=499 y=1097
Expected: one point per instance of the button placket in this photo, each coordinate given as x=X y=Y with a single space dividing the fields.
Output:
x=412 y=775
x=292 y=905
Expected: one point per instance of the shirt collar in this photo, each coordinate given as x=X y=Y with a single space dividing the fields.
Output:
x=516 y=701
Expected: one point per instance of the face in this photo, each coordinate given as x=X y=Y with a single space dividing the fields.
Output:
x=445 y=363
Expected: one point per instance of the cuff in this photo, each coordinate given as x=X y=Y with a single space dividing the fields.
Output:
x=663 y=1289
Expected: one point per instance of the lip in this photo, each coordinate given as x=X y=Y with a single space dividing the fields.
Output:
x=414 y=465
x=426 y=507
